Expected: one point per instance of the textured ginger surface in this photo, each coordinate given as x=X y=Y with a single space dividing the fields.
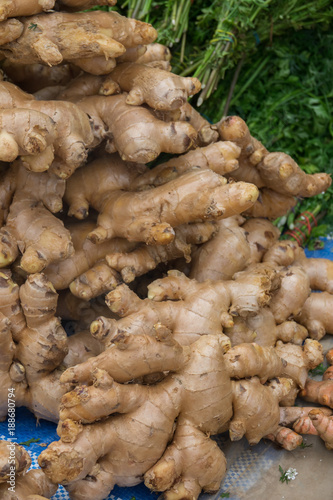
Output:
x=213 y=337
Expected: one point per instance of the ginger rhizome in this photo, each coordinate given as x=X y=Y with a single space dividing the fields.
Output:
x=15 y=8
x=34 y=145
x=91 y=40
x=144 y=258
x=178 y=467
x=142 y=405
x=186 y=311
x=221 y=157
x=147 y=54
x=319 y=391
x=134 y=131
x=150 y=215
x=19 y=457
x=317 y=422
x=35 y=329
x=87 y=257
x=73 y=129
x=157 y=88
x=36 y=77
x=31 y=228
x=32 y=485
x=275 y=171
x=34 y=346
x=316 y=315
x=277 y=175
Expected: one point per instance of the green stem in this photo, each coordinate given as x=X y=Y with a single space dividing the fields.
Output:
x=173 y=15
x=179 y=13
x=233 y=84
x=190 y=69
x=253 y=77
x=182 y=48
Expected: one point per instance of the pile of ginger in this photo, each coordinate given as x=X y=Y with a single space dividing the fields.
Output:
x=144 y=309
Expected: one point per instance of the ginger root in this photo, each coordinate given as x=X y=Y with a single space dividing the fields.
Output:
x=316 y=315
x=223 y=255
x=74 y=134
x=256 y=409
x=263 y=330
x=134 y=131
x=288 y=300
x=30 y=226
x=33 y=485
x=79 y=38
x=194 y=422
x=34 y=77
x=146 y=54
x=319 y=271
x=16 y=8
x=207 y=133
x=261 y=235
x=158 y=88
x=28 y=317
x=317 y=422
x=26 y=485
x=203 y=365
x=150 y=215
x=145 y=258
x=181 y=304
x=221 y=157
x=139 y=398
x=34 y=145
x=300 y=359
x=324 y=426
x=275 y=171
x=12 y=454
x=71 y=272
x=318 y=392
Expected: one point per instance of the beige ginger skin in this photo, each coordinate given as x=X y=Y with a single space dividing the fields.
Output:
x=150 y=215
x=17 y=8
x=89 y=40
x=72 y=126
x=146 y=407
x=159 y=89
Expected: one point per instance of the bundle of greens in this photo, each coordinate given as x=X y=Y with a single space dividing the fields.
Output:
x=209 y=38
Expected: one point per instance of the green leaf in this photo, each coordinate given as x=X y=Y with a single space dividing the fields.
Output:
x=283 y=477
x=319 y=370
x=28 y=443
x=304 y=445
